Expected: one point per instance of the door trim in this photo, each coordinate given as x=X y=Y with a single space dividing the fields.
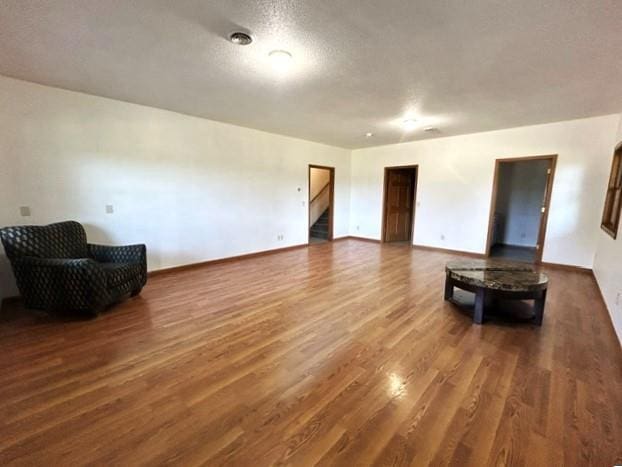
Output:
x=331 y=200
x=385 y=182
x=547 y=201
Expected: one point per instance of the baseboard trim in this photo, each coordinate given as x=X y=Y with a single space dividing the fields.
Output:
x=607 y=310
x=566 y=267
x=211 y=262
x=185 y=267
x=602 y=296
x=470 y=254
x=228 y=259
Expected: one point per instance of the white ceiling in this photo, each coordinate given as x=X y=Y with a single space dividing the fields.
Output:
x=359 y=65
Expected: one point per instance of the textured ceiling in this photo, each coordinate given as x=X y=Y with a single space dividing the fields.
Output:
x=359 y=65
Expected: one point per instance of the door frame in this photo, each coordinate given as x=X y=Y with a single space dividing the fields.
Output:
x=547 y=201
x=331 y=199
x=385 y=182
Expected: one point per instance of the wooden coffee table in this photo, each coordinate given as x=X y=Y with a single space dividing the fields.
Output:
x=494 y=279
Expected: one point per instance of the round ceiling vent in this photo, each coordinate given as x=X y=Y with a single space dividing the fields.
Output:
x=240 y=38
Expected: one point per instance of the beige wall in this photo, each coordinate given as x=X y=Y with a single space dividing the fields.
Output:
x=191 y=189
x=608 y=259
x=455 y=185
x=318 y=180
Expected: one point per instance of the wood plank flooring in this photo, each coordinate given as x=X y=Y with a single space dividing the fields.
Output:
x=342 y=353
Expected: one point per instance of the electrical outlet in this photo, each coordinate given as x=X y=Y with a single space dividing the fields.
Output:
x=109 y=209
x=357 y=227
x=280 y=237
x=24 y=211
x=442 y=237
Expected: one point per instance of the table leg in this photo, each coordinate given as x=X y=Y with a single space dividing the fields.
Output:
x=480 y=298
x=538 y=308
x=449 y=288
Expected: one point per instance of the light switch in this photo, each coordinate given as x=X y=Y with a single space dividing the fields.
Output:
x=24 y=211
x=109 y=209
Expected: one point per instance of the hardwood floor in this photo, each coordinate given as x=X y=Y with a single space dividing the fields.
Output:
x=342 y=353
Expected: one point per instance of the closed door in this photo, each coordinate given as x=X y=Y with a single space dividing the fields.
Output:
x=399 y=205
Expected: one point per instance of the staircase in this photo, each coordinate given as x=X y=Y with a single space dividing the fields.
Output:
x=320 y=228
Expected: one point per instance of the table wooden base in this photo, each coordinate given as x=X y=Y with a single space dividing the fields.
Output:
x=485 y=297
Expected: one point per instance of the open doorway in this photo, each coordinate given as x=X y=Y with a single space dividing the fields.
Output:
x=398 y=210
x=520 y=206
x=321 y=203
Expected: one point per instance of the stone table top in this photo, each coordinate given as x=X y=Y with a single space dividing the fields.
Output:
x=501 y=275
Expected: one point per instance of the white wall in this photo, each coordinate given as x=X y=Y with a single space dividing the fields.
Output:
x=608 y=261
x=455 y=185
x=190 y=188
x=318 y=180
x=520 y=196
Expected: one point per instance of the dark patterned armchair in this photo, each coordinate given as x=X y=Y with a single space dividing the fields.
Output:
x=56 y=269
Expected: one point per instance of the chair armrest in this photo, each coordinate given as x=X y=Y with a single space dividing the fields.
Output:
x=118 y=254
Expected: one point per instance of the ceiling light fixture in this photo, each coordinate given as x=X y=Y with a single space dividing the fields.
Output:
x=431 y=129
x=280 y=59
x=409 y=124
x=369 y=134
x=240 y=38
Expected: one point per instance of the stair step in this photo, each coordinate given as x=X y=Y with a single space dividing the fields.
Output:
x=320 y=228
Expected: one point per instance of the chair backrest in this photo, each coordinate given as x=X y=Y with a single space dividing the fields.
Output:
x=60 y=240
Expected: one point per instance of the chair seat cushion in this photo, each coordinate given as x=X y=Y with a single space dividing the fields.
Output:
x=120 y=273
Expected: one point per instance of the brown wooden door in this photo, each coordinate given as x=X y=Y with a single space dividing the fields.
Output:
x=399 y=205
